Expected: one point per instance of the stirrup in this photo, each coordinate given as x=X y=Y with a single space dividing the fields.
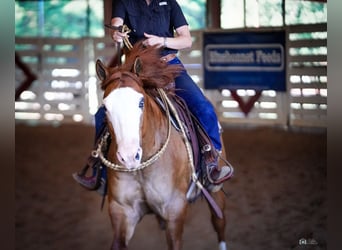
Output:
x=93 y=182
x=89 y=182
x=218 y=176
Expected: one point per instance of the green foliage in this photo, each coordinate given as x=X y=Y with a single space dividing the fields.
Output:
x=194 y=11
x=59 y=18
x=26 y=18
x=82 y=18
x=73 y=18
x=267 y=13
x=304 y=12
x=270 y=13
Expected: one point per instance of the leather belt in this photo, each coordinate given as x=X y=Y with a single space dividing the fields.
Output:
x=168 y=57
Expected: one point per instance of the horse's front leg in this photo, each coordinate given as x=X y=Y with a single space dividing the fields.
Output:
x=125 y=208
x=124 y=221
x=119 y=226
x=175 y=225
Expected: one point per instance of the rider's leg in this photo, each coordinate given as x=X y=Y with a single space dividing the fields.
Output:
x=204 y=111
x=92 y=182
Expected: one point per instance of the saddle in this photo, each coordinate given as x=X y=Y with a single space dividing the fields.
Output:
x=203 y=150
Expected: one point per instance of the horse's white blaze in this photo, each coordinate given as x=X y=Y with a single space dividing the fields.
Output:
x=124 y=113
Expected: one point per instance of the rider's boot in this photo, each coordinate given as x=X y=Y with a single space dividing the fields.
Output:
x=97 y=180
x=91 y=182
x=218 y=174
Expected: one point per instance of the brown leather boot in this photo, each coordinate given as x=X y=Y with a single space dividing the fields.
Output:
x=218 y=175
x=89 y=182
x=94 y=181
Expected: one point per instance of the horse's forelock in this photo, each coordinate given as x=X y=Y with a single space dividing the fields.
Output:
x=153 y=72
x=147 y=55
x=112 y=81
x=122 y=79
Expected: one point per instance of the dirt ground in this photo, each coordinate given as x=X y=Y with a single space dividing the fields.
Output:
x=276 y=198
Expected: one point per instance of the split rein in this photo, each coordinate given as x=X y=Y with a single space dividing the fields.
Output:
x=98 y=153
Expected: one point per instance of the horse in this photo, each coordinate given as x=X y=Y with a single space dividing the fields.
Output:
x=147 y=160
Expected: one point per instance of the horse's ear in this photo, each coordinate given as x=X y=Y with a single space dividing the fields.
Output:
x=101 y=70
x=137 y=67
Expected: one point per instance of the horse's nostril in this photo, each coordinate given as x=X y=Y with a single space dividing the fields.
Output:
x=120 y=157
x=137 y=156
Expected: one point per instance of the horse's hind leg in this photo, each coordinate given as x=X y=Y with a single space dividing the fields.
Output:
x=219 y=224
x=219 y=197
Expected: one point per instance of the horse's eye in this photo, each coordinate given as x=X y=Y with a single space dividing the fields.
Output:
x=141 y=103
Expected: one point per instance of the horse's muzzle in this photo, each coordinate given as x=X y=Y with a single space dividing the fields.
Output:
x=130 y=158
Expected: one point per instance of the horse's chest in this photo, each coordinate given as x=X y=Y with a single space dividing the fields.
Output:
x=161 y=200
x=158 y=189
x=156 y=192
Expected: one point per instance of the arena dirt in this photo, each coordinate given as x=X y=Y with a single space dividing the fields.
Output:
x=276 y=198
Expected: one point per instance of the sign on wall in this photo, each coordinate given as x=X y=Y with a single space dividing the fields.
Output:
x=244 y=60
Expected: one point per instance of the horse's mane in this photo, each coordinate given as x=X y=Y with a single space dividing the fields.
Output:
x=146 y=63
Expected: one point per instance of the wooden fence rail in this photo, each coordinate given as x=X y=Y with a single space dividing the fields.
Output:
x=66 y=88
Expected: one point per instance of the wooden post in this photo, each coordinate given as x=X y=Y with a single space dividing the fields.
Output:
x=107 y=5
x=214 y=14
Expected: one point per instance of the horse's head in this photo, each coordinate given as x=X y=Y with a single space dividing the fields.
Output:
x=124 y=102
x=125 y=89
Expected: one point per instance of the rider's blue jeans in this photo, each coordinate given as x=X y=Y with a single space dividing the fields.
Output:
x=198 y=105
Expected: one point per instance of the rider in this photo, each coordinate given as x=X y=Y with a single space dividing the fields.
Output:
x=155 y=21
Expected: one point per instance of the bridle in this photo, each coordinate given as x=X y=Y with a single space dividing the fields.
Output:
x=102 y=146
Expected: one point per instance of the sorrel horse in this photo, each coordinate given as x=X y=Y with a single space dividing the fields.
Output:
x=148 y=163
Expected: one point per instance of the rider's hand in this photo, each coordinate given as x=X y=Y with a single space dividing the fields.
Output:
x=152 y=40
x=118 y=36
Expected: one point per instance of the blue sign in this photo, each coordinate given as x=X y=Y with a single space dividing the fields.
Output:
x=245 y=60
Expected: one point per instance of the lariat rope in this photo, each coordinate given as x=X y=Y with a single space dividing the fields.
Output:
x=122 y=28
x=125 y=40
x=98 y=153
